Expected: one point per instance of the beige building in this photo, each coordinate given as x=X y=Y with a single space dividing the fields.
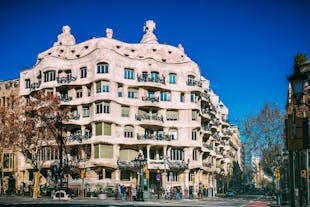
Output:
x=127 y=99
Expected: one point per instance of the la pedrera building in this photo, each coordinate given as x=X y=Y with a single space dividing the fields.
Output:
x=126 y=99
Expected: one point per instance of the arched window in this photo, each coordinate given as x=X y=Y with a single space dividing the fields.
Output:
x=128 y=131
x=103 y=67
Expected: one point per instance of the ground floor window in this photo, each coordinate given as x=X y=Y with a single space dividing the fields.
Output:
x=126 y=175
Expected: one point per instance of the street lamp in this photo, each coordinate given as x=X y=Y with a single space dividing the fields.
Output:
x=297 y=81
x=139 y=163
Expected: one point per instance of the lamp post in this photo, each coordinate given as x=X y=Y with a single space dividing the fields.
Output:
x=297 y=81
x=139 y=163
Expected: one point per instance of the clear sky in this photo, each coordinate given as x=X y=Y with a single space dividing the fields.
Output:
x=245 y=48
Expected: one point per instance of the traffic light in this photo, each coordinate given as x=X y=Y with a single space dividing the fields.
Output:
x=303 y=173
x=278 y=174
x=83 y=173
x=147 y=174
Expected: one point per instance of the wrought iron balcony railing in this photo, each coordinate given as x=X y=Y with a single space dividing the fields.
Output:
x=177 y=164
x=149 y=78
x=192 y=82
x=35 y=85
x=154 y=117
x=125 y=164
x=151 y=99
x=165 y=137
x=66 y=79
x=64 y=98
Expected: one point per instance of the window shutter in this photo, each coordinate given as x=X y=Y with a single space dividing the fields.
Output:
x=107 y=129
x=194 y=115
x=128 y=128
x=96 y=150
x=106 y=151
x=98 y=129
x=125 y=111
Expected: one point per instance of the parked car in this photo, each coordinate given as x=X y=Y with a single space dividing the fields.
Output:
x=230 y=193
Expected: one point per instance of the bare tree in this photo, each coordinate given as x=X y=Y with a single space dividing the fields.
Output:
x=40 y=125
x=263 y=134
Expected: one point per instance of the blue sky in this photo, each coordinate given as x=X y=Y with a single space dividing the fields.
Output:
x=245 y=48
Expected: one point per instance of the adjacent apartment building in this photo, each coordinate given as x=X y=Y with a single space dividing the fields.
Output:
x=126 y=99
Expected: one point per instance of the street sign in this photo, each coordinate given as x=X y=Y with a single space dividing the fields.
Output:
x=158 y=176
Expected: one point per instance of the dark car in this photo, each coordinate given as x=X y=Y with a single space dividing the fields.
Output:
x=230 y=193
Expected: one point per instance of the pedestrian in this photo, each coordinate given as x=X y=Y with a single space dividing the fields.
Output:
x=134 y=194
x=123 y=192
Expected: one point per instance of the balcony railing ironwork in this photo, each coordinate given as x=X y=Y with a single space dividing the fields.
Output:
x=64 y=98
x=192 y=82
x=165 y=137
x=149 y=78
x=177 y=164
x=125 y=164
x=66 y=79
x=35 y=85
x=151 y=99
x=154 y=117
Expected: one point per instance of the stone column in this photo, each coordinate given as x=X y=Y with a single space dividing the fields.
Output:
x=186 y=181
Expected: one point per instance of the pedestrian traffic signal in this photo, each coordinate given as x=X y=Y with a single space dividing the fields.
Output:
x=303 y=173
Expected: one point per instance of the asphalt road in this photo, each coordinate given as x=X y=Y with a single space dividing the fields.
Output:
x=48 y=202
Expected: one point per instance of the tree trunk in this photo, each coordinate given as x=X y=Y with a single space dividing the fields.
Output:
x=36 y=185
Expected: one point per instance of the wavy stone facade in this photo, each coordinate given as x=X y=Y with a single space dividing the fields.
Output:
x=130 y=98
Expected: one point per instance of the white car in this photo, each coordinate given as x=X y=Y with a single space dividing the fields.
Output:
x=61 y=195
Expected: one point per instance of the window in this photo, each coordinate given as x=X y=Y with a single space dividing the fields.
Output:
x=193 y=97
x=83 y=72
x=177 y=154
x=173 y=177
x=173 y=134
x=172 y=78
x=182 y=97
x=106 y=129
x=120 y=91
x=125 y=175
x=129 y=73
x=195 y=154
x=79 y=93
x=103 y=151
x=194 y=134
x=49 y=76
x=105 y=88
x=49 y=91
x=103 y=108
x=102 y=68
x=165 y=96
x=89 y=91
x=191 y=80
x=102 y=86
x=8 y=160
x=194 y=115
x=27 y=81
x=172 y=115
x=125 y=111
x=86 y=111
x=128 y=131
x=154 y=76
x=132 y=93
